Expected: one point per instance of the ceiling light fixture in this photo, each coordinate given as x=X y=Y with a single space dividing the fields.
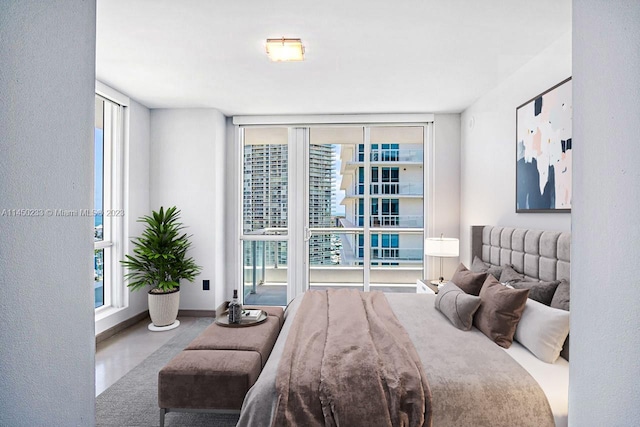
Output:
x=285 y=49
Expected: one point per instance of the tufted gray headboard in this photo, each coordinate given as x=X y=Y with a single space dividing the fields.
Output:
x=541 y=255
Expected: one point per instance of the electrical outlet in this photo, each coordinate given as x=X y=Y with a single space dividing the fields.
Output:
x=205 y=285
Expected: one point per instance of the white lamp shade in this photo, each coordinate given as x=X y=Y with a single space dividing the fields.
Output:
x=441 y=246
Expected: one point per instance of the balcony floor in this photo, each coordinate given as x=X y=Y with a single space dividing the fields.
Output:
x=269 y=294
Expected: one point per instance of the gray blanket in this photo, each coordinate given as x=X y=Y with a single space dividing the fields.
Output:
x=473 y=382
x=349 y=362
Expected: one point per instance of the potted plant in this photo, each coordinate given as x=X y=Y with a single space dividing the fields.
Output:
x=160 y=260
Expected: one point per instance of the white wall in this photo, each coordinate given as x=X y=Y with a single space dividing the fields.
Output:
x=488 y=148
x=444 y=171
x=605 y=293
x=188 y=169
x=46 y=162
x=136 y=204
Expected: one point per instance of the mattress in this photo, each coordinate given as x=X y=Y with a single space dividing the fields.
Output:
x=553 y=378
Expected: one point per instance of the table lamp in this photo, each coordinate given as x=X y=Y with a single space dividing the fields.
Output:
x=442 y=247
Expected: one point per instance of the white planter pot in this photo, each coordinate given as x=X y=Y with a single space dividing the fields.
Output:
x=163 y=308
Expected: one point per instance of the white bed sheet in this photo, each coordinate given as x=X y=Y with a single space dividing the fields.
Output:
x=553 y=378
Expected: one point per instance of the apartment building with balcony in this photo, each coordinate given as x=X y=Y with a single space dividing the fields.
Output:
x=396 y=195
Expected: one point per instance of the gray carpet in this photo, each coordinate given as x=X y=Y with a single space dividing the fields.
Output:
x=133 y=400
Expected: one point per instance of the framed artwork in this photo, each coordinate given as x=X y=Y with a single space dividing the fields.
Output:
x=543 y=151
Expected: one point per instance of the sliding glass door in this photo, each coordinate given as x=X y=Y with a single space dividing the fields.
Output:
x=331 y=206
x=265 y=215
x=332 y=235
x=365 y=207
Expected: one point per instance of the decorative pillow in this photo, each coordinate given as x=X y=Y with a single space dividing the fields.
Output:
x=479 y=266
x=540 y=291
x=542 y=330
x=458 y=306
x=468 y=281
x=500 y=311
x=561 y=300
x=510 y=275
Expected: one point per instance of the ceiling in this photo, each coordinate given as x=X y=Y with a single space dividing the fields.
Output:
x=362 y=56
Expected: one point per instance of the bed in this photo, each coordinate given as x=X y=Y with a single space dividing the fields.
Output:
x=483 y=385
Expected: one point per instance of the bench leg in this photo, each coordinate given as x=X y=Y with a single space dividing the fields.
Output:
x=162 y=413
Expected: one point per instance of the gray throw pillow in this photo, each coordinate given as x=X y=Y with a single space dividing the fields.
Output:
x=479 y=266
x=458 y=306
x=540 y=291
x=468 y=281
x=509 y=275
x=561 y=298
x=500 y=311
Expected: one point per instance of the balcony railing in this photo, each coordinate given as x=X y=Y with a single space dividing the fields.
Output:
x=387 y=189
x=396 y=254
x=396 y=155
x=397 y=221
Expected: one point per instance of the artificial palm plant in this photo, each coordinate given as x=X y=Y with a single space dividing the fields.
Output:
x=160 y=259
x=160 y=255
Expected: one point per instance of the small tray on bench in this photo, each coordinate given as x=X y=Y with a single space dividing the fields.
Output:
x=222 y=318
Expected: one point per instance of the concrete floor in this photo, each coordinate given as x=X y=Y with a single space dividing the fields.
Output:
x=122 y=352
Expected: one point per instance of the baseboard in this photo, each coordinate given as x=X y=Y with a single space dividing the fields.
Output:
x=197 y=313
x=121 y=326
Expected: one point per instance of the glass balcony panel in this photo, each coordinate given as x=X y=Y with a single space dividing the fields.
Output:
x=396 y=261
x=335 y=260
x=98 y=277
x=264 y=272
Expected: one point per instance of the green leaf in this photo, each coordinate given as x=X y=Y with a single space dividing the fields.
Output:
x=159 y=257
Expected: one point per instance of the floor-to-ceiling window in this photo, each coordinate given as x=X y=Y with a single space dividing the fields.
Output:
x=106 y=210
x=361 y=206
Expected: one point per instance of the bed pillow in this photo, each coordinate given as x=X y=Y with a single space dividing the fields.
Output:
x=458 y=306
x=510 y=275
x=542 y=292
x=542 y=330
x=468 y=281
x=479 y=266
x=500 y=310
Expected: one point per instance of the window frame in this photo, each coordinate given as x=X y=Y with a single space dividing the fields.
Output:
x=113 y=243
x=298 y=126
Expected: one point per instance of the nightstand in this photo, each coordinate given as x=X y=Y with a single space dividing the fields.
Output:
x=426 y=286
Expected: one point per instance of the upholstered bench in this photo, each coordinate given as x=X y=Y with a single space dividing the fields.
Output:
x=215 y=371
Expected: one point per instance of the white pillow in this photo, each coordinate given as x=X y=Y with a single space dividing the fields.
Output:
x=542 y=330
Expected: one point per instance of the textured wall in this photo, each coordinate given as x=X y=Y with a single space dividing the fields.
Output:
x=188 y=170
x=47 y=52
x=605 y=293
x=488 y=153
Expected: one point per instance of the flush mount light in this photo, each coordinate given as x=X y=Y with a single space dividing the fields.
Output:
x=285 y=49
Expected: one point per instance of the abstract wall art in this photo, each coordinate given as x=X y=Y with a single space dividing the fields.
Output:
x=543 y=151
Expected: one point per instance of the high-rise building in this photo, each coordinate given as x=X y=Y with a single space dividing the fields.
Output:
x=321 y=201
x=265 y=201
x=265 y=193
x=396 y=200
